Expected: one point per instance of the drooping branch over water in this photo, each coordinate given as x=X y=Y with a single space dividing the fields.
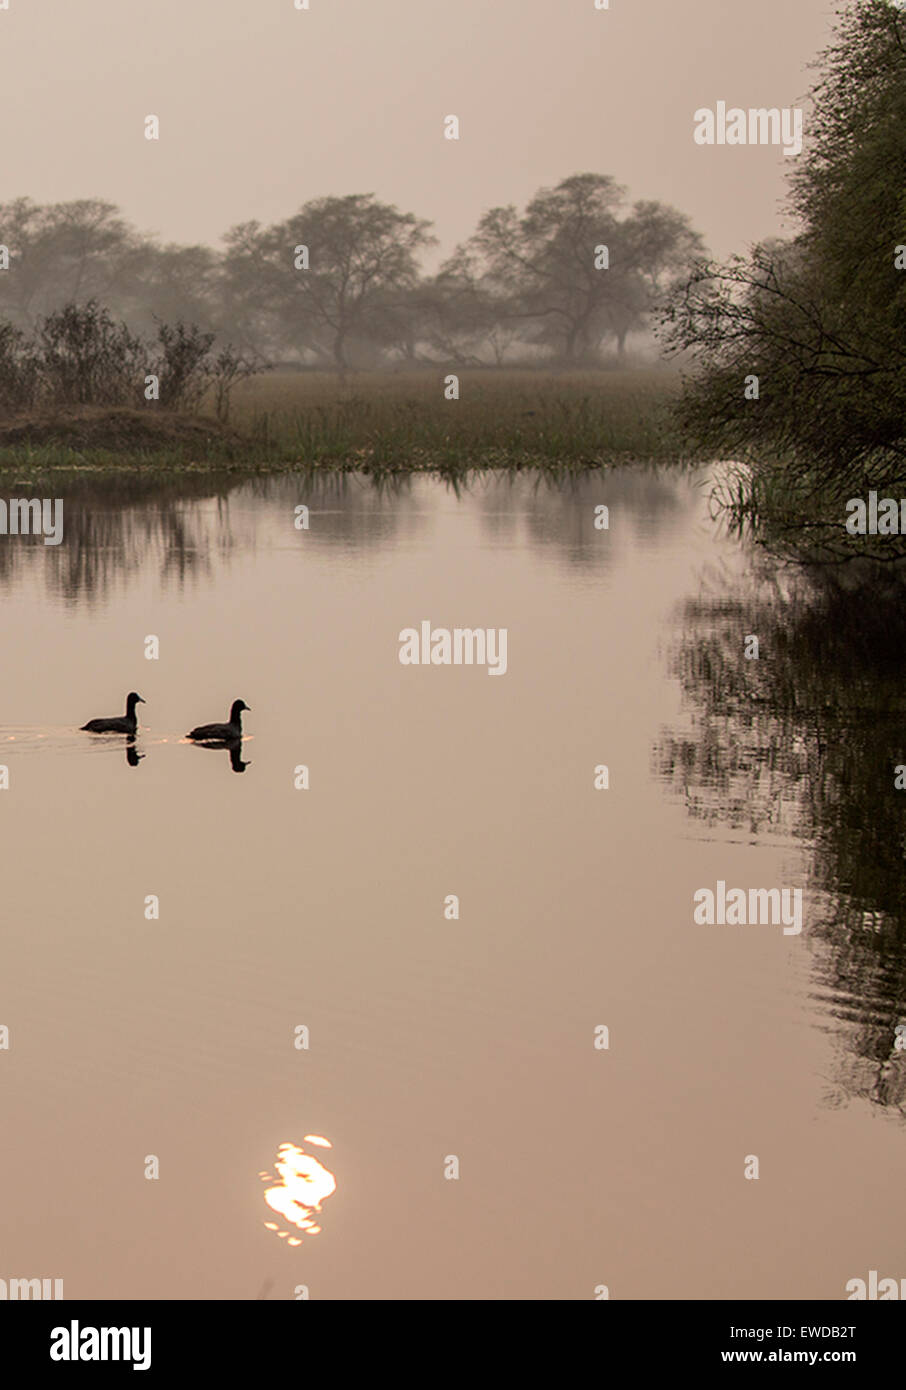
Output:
x=798 y=352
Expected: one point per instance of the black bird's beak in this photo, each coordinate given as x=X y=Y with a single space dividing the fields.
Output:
x=141 y=701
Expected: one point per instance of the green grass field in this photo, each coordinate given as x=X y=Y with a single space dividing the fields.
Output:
x=381 y=422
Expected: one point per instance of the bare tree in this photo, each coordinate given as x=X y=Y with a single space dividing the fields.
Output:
x=575 y=269
x=64 y=253
x=326 y=273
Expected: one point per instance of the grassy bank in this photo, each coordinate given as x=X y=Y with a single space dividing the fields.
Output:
x=374 y=422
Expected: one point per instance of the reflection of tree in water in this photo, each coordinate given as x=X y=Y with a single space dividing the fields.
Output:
x=804 y=742
x=117 y=527
x=558 y=510
x=358 y=511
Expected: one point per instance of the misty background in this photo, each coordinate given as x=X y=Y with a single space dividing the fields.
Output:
x=263 y=107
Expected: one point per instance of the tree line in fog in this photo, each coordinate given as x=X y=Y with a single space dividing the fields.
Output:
x=340 y=284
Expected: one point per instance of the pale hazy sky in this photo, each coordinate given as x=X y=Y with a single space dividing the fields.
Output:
x=263 y=107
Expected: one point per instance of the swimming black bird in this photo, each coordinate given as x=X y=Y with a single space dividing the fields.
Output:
x=222 y=733
x=125 y=724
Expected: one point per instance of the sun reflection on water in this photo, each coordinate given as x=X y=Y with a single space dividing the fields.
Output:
x=304 y=1184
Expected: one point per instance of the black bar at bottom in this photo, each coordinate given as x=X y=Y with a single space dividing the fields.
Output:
x=59 y=1340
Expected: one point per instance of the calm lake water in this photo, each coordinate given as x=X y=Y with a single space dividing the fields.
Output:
x=431 y=1037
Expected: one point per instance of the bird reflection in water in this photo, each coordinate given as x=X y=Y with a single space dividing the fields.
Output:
x=233 y=746
x=133 y=757
x=304 y=1184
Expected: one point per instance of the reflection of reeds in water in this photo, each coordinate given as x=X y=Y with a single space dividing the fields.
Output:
x=111 y=533
x=117 y=529
x=803 y=517
x=802 y=744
